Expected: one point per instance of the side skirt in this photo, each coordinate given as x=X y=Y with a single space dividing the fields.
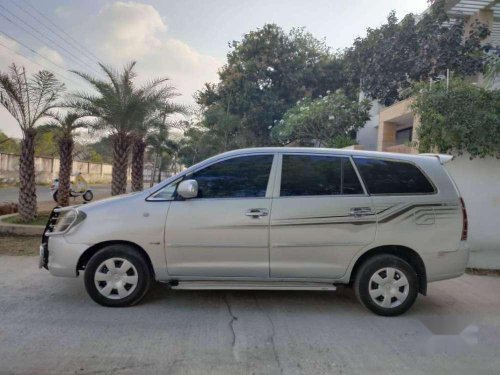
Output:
x=249 y=285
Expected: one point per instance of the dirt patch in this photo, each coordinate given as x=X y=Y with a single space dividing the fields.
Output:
x=19 y=245
x=482 y=272
x=8 y=208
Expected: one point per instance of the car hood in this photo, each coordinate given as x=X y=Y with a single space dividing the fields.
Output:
x=115 y=201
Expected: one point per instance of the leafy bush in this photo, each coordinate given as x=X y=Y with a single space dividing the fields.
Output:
x=322 y=121
x=462 y=118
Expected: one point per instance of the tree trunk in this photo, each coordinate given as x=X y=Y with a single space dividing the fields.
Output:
x=121 y=145
x=159 y=168
x=27 y=184
x=65 y=168
x=138 y=149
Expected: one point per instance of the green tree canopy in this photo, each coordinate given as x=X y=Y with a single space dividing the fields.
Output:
x=320 y=121
x=266 y=73
x=391 y=57
x=462 y=118
x=9 y=145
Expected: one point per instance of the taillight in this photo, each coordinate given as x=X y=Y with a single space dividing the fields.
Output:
x=465 y=224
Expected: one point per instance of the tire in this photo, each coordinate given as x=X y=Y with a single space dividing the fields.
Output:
x=54 y=195
x=88 y=196
x=391 y=295
x=130 y=277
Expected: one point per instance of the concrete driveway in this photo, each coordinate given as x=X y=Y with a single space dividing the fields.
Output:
x=48 y=325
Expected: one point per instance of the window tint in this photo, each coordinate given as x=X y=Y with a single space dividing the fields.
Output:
x=392 y=177
x=318 y=175
x=241 y=177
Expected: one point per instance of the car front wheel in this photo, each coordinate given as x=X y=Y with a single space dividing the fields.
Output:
x=386 y=284
x=117 y=276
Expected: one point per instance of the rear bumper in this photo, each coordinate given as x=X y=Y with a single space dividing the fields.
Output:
x=447 y=264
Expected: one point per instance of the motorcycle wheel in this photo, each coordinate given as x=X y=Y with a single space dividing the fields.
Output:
x=88 y=196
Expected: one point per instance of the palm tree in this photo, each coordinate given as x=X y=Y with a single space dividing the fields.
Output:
x=164 y=149
x=64 y=129
x=156 y=121
x=28 y=101
x=119 y=106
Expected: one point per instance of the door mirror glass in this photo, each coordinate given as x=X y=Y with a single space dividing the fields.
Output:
x=188 y=189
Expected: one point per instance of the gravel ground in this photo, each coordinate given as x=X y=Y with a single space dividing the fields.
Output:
x=49 y=326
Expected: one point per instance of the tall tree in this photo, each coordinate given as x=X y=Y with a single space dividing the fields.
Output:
x=391 y=57
x=266 y=73
x=64 y=129
x=28 y=100
x=120 y=106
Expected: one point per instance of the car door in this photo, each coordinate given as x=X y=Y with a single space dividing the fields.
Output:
x=321 y=216
x=224 y=231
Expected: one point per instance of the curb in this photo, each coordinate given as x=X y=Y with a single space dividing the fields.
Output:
x=19 y=229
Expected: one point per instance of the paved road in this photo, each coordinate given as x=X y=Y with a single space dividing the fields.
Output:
x=10 y=194
x=48 y=326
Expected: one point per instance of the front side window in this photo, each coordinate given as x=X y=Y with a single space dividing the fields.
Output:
x=392 y=177
x=167 y=193
x=306 y=175
x=241 y=177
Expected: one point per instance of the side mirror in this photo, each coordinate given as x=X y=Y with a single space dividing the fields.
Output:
x=188 y=189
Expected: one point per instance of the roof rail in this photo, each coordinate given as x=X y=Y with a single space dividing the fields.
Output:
x=443 y=158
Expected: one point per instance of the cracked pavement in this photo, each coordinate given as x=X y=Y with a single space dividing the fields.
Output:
x=48 y=325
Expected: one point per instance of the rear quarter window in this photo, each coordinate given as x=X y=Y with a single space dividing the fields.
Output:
x=392 y=177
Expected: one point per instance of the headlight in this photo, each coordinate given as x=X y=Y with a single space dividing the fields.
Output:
x=67 y=218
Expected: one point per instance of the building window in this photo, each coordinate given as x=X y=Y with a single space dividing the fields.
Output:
x=404 y=135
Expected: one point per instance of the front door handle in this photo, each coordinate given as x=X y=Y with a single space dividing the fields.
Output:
x=360 y=211
x=257 y=212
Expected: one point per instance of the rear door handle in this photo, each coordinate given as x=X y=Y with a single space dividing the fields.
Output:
x=257 y=212
x=360 y=211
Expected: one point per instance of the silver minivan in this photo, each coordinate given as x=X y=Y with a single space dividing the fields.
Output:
x=272 y=218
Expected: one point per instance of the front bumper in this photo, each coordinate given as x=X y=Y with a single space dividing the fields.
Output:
x=43 y=261
x=58 y=255
x=61 y=257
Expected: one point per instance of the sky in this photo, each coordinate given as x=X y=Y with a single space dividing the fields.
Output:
x=184 y=40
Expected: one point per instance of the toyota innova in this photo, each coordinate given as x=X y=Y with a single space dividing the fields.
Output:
x=272 y=218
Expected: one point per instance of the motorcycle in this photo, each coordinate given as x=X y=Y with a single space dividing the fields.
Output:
x=87 y=195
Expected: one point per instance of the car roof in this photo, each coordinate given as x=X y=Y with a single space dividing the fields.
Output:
x=336 y=151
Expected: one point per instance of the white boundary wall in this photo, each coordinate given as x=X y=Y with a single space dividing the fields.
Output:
x=479 y=183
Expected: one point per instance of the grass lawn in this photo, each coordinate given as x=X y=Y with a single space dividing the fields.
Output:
x=41 y=219
x=19 y=245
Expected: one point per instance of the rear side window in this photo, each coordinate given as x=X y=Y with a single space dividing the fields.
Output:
x=392 y=177
x=304 y=175
x=241 y=177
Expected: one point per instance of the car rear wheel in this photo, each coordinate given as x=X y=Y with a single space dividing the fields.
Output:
x=117 y=276
x=386 y=284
